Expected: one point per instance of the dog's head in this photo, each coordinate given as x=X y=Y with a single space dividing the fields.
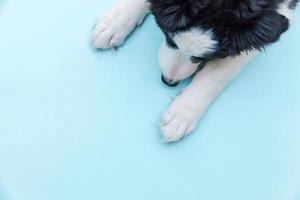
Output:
x=209 y=29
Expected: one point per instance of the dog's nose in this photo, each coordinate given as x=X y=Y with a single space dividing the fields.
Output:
x=169 y=82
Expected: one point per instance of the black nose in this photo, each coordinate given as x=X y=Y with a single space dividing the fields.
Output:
x=168 y=82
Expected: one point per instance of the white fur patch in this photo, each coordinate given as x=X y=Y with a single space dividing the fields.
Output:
x=196 y=42
x=284 y=9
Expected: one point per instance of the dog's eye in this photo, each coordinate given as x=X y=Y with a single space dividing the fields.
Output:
x=195 y=59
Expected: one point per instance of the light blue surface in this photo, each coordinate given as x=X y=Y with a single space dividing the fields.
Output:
x=80 y=124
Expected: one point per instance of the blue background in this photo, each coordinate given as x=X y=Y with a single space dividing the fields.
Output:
x=76 y=123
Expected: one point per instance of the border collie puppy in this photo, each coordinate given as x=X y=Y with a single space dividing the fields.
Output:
x=219 y=36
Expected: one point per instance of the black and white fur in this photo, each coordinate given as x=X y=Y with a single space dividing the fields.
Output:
x=223 y=35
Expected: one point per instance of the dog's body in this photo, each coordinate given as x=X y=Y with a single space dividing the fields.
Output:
x=223 y=35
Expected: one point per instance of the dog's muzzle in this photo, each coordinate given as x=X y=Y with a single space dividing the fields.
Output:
x=168 y=82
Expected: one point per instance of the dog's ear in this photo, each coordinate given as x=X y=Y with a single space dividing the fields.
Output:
x=255 y=34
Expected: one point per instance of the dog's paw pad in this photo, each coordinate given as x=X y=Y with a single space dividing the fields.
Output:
x=177 y=122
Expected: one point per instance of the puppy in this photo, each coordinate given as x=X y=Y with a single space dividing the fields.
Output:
x=219 y=36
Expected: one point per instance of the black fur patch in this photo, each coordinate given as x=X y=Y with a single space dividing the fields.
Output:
x=238 y=25
x=256 y=35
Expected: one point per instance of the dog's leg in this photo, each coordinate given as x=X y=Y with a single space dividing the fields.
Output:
x=115 y=25
x=186 y=110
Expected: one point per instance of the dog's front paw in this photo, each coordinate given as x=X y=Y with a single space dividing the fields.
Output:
x=113 y=27
x=178 y=121
x=111 y=30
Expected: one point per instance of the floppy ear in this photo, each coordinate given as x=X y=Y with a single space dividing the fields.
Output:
x=255 y=34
